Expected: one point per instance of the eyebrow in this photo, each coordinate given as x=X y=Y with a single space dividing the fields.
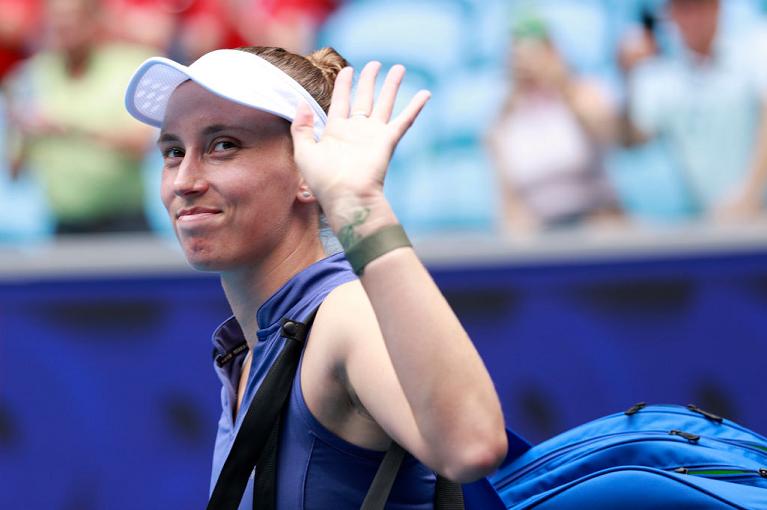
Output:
x=207 y=131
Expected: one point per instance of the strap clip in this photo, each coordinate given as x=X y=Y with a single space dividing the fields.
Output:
x=293 y=330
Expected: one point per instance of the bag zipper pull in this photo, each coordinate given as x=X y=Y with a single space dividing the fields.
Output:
x=710 y=416
x=681 y=470
x=635 y=408
x=693 y=438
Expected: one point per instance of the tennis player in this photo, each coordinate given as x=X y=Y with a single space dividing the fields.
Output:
x=259 y=145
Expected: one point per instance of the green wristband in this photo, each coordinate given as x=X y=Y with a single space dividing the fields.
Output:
x=369 y=248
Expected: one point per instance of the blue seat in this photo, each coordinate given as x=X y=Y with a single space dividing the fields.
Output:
x=447 y=189
x=470 y=102
x=428 y=34
x=649 y=184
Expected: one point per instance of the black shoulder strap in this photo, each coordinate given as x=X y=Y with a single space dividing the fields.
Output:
x=383 y=481
x=447 y=495
x=261 y=422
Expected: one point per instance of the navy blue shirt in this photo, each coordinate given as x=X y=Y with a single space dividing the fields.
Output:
x=316 y=469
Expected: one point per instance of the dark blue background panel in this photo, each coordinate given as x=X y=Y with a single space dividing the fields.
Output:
x=108 y=398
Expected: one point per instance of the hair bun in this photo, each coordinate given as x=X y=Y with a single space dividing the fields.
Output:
x=329 y=61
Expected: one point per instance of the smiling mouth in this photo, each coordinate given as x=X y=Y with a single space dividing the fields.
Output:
x=195 y=214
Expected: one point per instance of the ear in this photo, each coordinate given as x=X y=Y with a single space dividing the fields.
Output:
x=304 y=194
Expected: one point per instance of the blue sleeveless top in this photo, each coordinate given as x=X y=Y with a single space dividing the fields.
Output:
x=315 y=468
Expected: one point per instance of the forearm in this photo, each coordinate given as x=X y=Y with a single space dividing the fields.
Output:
x=435 y=396
x=447 y=386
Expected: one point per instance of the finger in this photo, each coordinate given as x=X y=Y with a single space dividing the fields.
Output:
x=406 y=117
x=302 y=128
x=342 y=90
x=363 y=98
x=388 y=95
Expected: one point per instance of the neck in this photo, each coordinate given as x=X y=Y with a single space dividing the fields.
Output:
x=247 y=288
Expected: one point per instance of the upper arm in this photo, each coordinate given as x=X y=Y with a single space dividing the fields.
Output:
x=367 y=369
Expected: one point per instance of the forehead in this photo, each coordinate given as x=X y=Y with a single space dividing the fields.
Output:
x=192 y=107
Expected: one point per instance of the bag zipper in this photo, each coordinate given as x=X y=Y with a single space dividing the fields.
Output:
x=720 y=471
x=642 y=436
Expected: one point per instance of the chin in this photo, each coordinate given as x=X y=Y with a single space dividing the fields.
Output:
x=201 y=256
x=204 y=266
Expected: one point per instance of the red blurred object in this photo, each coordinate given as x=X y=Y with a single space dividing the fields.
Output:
x=19 y=20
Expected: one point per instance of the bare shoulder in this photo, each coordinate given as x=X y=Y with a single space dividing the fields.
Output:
x=328 y=334
x=345 y=316
x=344 y=300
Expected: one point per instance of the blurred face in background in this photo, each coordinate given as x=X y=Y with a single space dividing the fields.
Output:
x=697 y=21
x=72 y=24
x=536 y=63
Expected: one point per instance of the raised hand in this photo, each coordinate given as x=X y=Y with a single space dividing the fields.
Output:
x=346 y=168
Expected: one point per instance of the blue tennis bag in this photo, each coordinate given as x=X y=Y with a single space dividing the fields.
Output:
x=648 y=457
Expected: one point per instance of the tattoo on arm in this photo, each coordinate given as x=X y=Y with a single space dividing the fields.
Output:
x=347 y=235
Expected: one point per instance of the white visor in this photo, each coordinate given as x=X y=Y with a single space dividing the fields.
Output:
x=235 y=75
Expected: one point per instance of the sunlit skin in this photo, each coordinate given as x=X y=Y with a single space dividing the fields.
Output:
x=230 y=184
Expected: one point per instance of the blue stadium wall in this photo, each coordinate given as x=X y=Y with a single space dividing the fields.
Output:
x=108 y=398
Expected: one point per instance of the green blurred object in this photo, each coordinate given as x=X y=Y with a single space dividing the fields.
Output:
x=530 y=27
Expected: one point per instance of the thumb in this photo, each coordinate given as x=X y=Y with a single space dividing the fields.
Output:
x=302 y=127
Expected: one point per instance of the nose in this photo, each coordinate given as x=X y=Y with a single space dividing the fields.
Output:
x=190 y=177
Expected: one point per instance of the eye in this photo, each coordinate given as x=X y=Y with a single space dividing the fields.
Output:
x=223 y=145
x=172 y=152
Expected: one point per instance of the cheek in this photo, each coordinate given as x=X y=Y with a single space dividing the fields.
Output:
x=166 y=189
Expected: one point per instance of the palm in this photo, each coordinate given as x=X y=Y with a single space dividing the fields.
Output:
x=353 y=154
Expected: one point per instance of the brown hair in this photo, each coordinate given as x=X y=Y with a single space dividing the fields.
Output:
x=315 y=72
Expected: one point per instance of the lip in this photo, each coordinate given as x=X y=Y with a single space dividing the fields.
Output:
x=193 y=214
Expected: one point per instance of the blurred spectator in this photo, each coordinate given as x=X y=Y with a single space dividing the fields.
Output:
x=150 y=23
x=205 y=25
x=547 y=144
x=707 y=101
x=70 y=126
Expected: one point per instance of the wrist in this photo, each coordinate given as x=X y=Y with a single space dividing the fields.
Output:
x=369 y=248
x=355 y=218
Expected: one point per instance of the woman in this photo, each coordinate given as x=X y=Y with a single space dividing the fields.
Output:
x=250 y=165
x=548 y=141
